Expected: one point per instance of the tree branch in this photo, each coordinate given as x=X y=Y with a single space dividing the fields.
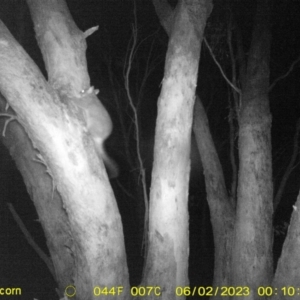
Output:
x=137 y=131
x=289 y=168
x=286 y=74
x=46 y=259
x=220 y=68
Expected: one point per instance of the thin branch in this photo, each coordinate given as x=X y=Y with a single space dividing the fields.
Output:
x=232 y=153
x=286 y=74
x=220 y=68
x=233 y=106
x=137 y=132
x=10 y=118
x=31 y=241
x=289 y=168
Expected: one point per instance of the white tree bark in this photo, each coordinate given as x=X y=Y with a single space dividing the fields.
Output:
x=64 y=148
x=167 y=261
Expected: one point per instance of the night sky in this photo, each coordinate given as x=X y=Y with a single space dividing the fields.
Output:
x=19 y=264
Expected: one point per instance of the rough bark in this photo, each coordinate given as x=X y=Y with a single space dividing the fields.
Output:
x=221 y=211
x=66 y=151
x=44 y=196
x=252 y=253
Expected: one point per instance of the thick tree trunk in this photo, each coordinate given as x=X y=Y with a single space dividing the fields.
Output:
x=44 y=196
x=252 y=253
x=221 y=211
x=167 y=261
x=95 y=229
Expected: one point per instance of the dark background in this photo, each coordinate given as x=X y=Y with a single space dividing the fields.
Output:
x=19 y=264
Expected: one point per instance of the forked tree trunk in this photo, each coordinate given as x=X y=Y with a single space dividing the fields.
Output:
x=92 y=230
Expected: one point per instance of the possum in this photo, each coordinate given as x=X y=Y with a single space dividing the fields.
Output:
x=99 y=126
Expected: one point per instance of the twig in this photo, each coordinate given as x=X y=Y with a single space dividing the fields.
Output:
x=286 y=74
x=137 y=132
x=289 y=168
x=31 y=241
x=220 y=68
x=10 y=118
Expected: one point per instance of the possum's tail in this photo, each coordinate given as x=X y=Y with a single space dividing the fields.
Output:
x=110 y=165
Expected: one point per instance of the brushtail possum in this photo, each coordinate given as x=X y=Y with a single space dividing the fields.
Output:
x=99 y=125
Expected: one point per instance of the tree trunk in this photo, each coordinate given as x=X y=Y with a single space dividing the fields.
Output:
x=54 y=125
x=45 y=198
x=167 y=260
x=222 y=213
x=252 y=252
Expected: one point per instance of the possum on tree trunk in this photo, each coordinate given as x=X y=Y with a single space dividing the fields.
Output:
x=99 y=126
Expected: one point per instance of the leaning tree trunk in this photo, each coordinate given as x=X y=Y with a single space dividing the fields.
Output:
x=221 y=211
x=94 y=235
x=167 y=260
